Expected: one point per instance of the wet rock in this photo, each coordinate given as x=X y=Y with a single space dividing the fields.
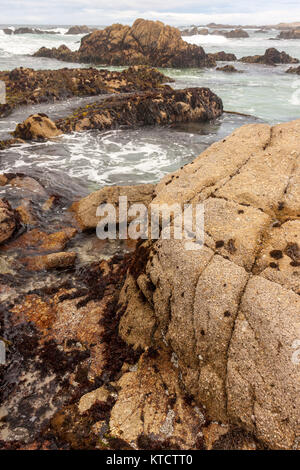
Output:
x=8 y=222
x=28 y=184
x=195 y=31
x=26 y=213
x=51 y=261
x=271 y=57
x=60 y=53
x=228 y=69
x=38 y=241
x=80 y=30
x=229 y=312
x=32 y=31
x=237 y=33
x=8 y=31
x=145 y=43
x=37 y=127
x=150 y=108
x=290 y=34
x=223 y=56
x=85 y=209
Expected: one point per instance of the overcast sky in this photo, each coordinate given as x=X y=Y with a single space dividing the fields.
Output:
x=176 y=12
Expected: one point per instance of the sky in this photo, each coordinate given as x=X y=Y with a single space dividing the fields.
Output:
x=174 y=12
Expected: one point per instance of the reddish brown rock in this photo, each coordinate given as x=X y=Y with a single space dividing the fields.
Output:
x=39 y=241
x=51 y=261
x=8 y=221
x=37 y=127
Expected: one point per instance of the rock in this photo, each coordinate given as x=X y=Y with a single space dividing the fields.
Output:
x=38 y=241
x=237 y=33
x=8 y=31
x=32 y=31
x=151 y=412
x=51 y=261
x=80 y=30
x=271 y=57
x=223 y=56
x=26 y=214
x=37 y=127
x=195 y=31
x=28 y=184
x=90 y=399
x=8 y=222
x=85 y=209
x=150 y=108
x=228 y=69
x=145 y=43
x=291 y=34
x=294 y=70
x=229 y=312
x=60 y=53
x=28 y=86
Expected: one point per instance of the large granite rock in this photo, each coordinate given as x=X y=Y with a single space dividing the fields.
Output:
x=229 y=313
x=145 y=43
x=271 y=57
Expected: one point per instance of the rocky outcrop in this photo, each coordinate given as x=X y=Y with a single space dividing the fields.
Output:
x=145 y=43
x=80 y=30
x=26 y=30
x=229 y=313
x=195 y=31
x=271 y=57
x=290 y=34
x=223 y=56
x=295 y=70
x=8 y=221
x=28 y=86
x=236 y=33
x=85 y=209
x=8 y=31
x=228 y=69
x=37 y=127
x=150 y=108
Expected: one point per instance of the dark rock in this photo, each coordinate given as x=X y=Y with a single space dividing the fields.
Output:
x=228 y=69
x=8 y=31
x=237 y=33
x=80 y=30
x=294 y=70
x=271 y=57
x=291 y=34
x=223 y=56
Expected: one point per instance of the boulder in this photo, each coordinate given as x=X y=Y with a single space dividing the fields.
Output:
x=50 y=261
x=60 y=53
x=37 y=127
x=223 y=56
x=8 y=31
x=80 y=30
x=290 y=34
x=228 y=69
x=37 y=241
x=237 y=33
x=271 y=57
x=150 y=108
x=229 y=312
x=8 y=221
x=145 y=43
x=295 y=70
x=85 y=209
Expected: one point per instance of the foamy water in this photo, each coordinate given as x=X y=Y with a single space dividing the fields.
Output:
x=80 y=163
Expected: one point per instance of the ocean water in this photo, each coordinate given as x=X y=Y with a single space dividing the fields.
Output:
x=83 y=162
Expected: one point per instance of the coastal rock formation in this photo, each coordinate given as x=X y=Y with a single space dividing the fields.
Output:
x=295 y=70
x=80 y=30
x=195 y=31
x=236 y=33
x=149 y=108
x=229 y=312
x=8 y=31
x=271 y=57
x=290 y=34
x=85 y=209
x=228 y=69
x=223 y=56
x=145 y=43
x=25 y=30
x=8 y=221
x=28 y=86
x=37 y=127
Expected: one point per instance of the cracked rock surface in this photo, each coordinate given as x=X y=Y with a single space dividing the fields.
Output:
x=230 y=312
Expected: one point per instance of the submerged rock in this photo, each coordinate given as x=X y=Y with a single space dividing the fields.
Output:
x=294 y=70
x=50 y=261
x=145 y=43
x=271 y=57
x=290 y=34
x=37 y=127
x=228 y=69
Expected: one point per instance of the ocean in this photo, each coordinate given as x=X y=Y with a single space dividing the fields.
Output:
x=82 y=162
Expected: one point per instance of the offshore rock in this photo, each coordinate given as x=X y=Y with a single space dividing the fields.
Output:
x=271 y=57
